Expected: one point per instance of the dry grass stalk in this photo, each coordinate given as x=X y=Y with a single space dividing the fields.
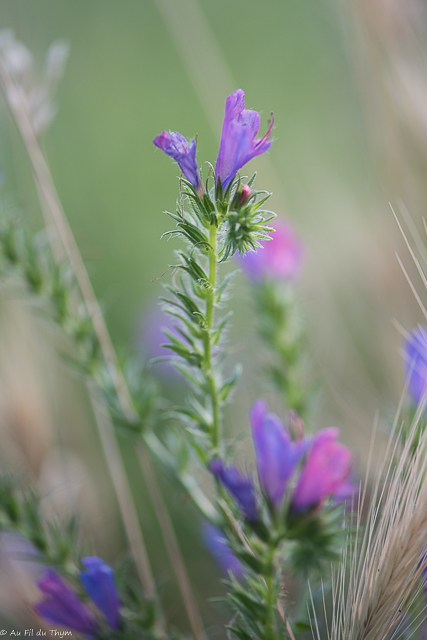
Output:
x=380 y=574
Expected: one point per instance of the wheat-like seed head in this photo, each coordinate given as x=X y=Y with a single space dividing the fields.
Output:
x=380 y=574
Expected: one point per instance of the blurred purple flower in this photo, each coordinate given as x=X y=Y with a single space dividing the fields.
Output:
x=184 y=153
x=276 y=454
x=238 y=144
x=62 y=606
x=415 y=360
x=279 y=258
x=325 y=471
x=241 y=487
x=98 y=581
x=151 y=336
x=217 y=543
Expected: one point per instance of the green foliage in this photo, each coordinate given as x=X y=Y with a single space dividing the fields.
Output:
x=280 y=327
x=55 y=541
x=27 y=260
x=57 y=545
x=246 y=223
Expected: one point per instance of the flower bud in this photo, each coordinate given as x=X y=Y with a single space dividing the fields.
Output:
x=246 y=192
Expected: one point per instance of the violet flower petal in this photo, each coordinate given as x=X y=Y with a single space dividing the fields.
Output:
x=325 y=470
x=241 y=487
x=238 y=144
x=62 y=606
x=217 y=543
x=415 y=360
x=276 y=454
x=184 y=153
x=99 y=584
x=278 y=259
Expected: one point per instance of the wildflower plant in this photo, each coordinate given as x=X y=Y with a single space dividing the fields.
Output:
x=289 y=512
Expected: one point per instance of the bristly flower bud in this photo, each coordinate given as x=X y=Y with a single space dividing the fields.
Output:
x=245 y=193
x=245 y=226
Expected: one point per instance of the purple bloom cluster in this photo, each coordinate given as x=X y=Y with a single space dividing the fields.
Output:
x=278 y=259
x=60 y=604
x=415 y=360
x=324 y=467
x=237 y=146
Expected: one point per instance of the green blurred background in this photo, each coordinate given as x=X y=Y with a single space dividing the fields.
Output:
x=346 y=82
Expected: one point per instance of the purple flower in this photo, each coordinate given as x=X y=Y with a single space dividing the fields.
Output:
x=151 y=337
x=278 y=259
x=325 y=471
x=238 y=144
x=61 y=606
x=415 y=359
x=98 y=581
x=241 y=487
x=276 y=454
x=217 y=543
x=177 y=147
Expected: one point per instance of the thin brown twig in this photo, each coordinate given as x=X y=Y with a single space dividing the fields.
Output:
x=123 y=492
x=289 y=630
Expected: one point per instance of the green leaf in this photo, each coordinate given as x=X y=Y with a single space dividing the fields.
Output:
x=229 y=384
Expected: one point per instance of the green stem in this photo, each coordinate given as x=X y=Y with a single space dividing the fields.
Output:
x=270 y=631
x=210 y=303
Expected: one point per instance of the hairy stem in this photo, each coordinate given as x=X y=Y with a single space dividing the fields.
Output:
x=213 y=264
x=271 y=600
